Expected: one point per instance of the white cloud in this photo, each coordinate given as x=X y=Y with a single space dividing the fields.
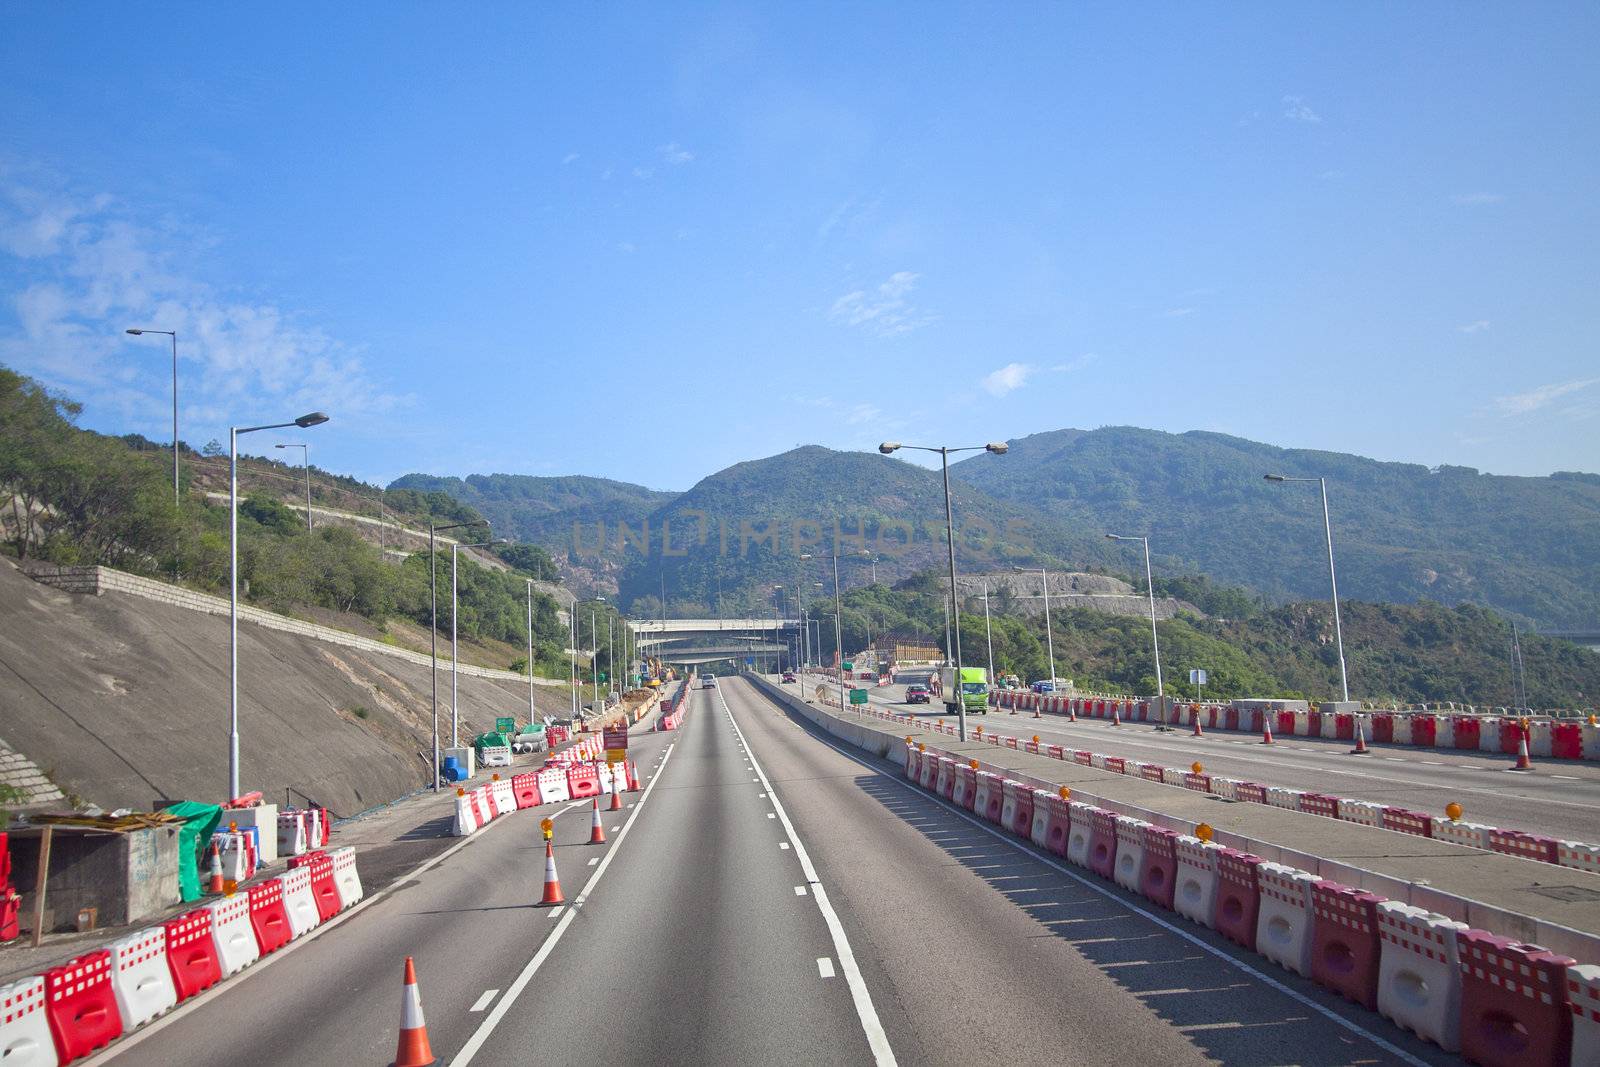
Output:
x=676 y=154
x=1176 y=313
x=1476 y=199
x=643 y=173
x=1474 y=327
x=87 y=268
x=1295 y=109
x=883 y=311
x=1074 y=364
x=570 y=157
x=1008 y=378
x=1534 y=399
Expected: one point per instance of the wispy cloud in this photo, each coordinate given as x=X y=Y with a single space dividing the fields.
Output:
x=676 y=155
x=1534 y=399
x=1295 y=109
x=1476 y=199
x=1075 y=364
x=1011 y=377
x=1176 y=313
x=627 y=248
x=1475 y=327
x=570 y=157
x=644 y=173
x=884 y=311
x=96 y=268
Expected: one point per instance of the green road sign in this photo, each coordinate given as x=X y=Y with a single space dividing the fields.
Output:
x=505 y=725
x=858 y=696
x=849 y=666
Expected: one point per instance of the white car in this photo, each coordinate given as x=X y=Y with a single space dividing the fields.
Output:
x=708 y=681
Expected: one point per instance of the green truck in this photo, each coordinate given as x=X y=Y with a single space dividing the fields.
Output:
x=974 y=689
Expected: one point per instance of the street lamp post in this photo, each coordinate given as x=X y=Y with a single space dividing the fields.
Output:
x=433 y=627
x=572 y=654
x=455 y=710
x=531 y=710
x=997 y=448
x=176 y=500
x=305 y=464
x=988 y=632
x=315 y=418
x=1155 y=642
x=1049 y=631
x=1333 y=578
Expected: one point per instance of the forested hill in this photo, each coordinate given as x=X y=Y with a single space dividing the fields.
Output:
x=1401 y=532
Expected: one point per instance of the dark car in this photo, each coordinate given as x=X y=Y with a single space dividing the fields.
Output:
x=918 y=694
x=788 y=676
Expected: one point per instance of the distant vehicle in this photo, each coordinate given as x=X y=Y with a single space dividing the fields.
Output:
x=1043 y=686
x=973 y=690
x=708 y=681
x=788 y=676
x=918 y=694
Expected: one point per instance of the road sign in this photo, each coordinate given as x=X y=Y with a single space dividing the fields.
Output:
x=616 y=737
x=1197 y=677
x=505 y=725
x=858 y=696
x=616 y=755
x=847 y=665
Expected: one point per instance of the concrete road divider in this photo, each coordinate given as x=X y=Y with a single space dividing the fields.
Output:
x=141 y=979
x=1195 y=893
x=233 y=934
x=1419 y=979
x=24 y=1028
x=1344 y=941
x=1514 y=1007
x=1283 y=925
x=81 y=1005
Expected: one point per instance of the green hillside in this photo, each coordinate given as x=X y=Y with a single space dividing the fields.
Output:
x=1530 y=546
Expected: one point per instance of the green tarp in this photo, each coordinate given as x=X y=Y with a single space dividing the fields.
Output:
x=199 y=821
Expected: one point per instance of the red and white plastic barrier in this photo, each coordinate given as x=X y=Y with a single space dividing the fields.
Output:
x=1283 y=925
x=1419 y=980
x=141 y=979
x=24 y=1027
x=1195 y=894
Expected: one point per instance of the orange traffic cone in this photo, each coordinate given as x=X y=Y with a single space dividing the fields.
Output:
x=216 y=885
x=1037 y=714
x=1266 y=732
x=618 y=773
x=597 y=833
x=1197 y=732
x=552 y=881
x=1523 y=762
x=1072 y=713
x=1361 y=741
x=413 y=1050
x=1116 y=719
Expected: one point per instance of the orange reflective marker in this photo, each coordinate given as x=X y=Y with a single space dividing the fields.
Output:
x=1036 y=739
x=549 y=827
x=1452 y=811
x=494 y=777
x=1204 y=831
x=1066 y=794
x=973 y=764
x=460 y=791
x=1197 y=767
x=921 y=747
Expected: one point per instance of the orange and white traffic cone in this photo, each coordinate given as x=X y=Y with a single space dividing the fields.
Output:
x=597 y=832
x=1266 y=732
x=217 y=885
x=1361 y=741
x=1523 y=762
x=1072 y=713
x=413 y=1050
x=1197 y=731
x=552 y=881
x=1037 y=712
x=618 y=773
x=1116 y=718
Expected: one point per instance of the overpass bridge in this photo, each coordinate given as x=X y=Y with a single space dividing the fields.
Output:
x=693 y=641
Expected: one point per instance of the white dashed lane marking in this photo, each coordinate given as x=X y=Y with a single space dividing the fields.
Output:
x=825 y=967
x=483 y=1001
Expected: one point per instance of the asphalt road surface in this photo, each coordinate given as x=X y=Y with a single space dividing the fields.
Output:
x=1558 y=798
x=772 y=896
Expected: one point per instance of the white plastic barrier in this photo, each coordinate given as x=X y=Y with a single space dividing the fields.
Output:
x=345 y=877
x=1579 y=856
x=1361 y=811
x=24 y=1030
x=1078 y=833
x=1329 y=722
x=1539 y=738
x=1283 y=925
x=1471 y=834
x=505 y=798
x=466 y=816
x=291 y=833
x=313 y=817
x=1419 y=980
x=1224 y=787
x=553 y=786
x=1302 y=723
x=1284 y=798
x=299 y=901
x=232 y=933
x=1097 y=760
x=1172 y=775
x=238 y=858
x=1402 y=729
x=1444 y=731
x=1195 y=890
x=1591 y=742
x=988 y=784
x=1039 y=831
x=1583 y=990
x=1489 y=735
x=140 y=977
x=1130 y=851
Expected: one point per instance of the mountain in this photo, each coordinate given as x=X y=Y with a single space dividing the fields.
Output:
x=1401 y=532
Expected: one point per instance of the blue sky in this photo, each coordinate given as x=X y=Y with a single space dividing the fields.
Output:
x=648 y=241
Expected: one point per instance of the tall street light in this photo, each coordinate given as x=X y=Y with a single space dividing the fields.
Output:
x=572 y=653
x=1333 y=579
x=988 y=633
x=1155 y=642
x=433 y=626
x=315 y=418
x=997 y=448
x=305 y=463
x=1049 y=631
x=174 y=335
x=455 y=657
x=532 y=713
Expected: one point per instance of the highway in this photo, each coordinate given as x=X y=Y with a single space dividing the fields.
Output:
x=1558 y=798
x=770 y=896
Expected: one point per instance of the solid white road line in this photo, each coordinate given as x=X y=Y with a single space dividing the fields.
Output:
x=1096 y=886
x=514 y=990
x=483 y=1001
x=824 y=966
x=199 y=1000
x=877 y=1039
